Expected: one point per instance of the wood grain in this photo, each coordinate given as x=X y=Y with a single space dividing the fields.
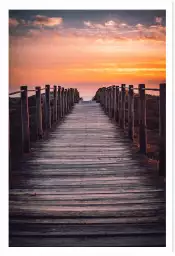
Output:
x=84 y=186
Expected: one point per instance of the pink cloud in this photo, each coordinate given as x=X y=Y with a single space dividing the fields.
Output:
x=139 y=26
x=109 y=30
x=110 y=23
x=158 y=20
x=41 y=20
x=13 y=22
x=88 y=24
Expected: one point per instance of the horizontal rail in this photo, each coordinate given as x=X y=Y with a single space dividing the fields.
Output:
x=119 y=104
x=13 y=93
x=151 y=89
x=45 y=113
x=133 y=88
x=145 y=89
x=31 y=90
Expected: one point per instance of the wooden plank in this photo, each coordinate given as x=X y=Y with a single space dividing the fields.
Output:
x=85 y=182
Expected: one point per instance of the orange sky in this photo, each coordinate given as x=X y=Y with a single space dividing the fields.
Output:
x=87 y=57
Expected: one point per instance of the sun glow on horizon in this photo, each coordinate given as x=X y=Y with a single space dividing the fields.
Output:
x=49 y=49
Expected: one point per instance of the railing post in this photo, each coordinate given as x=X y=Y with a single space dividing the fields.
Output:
x=142 y=119
x=131 y=112
x=100 y=96
x=123 y=92
x=65 y=107
x=68 y=100
x=120 y=106
x=108 y=101
x=104 y=97
x=162 y=129
x=63 y=102
x=73 y=101
x=111 y=101
x=76 y=96
x=117 y=104
x=114 y=102
x=55 y=96
x=106 y=104
x=25 y=120
x=9 y=134
x=48 y=110
x=109 y=104
x=39 y=126
x=59 y=104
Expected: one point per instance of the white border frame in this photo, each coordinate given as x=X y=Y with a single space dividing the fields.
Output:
x=75 y=4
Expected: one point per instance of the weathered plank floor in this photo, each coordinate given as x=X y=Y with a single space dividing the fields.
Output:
x=83 y=186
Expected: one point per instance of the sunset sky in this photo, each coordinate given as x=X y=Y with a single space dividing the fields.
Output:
x=86 y=49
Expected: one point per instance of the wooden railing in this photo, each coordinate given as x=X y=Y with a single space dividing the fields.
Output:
x=31 y=117
x=113 y=100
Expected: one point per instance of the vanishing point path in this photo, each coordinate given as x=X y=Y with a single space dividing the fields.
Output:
x=84 y=186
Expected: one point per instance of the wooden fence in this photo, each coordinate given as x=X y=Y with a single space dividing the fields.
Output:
x=30 y=117
x=113 y=101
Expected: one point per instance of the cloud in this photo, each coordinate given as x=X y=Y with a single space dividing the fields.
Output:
x=123 y=25
x=122 y=31
x=110 y=23
x=41 y=20
x=13 y=22
x=88 y=24
x=139 y=26
x=105 y=31
x=158 y=20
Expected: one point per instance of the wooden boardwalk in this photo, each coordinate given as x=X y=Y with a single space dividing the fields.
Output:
x=84 y=186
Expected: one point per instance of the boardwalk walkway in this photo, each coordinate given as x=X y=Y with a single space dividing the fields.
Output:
x=84 y=186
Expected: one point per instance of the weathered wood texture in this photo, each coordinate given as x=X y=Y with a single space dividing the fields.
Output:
x=25 y=120
x=48 y=108
x=84 y=186
x=142 y=118
x=129 y=110
x=39 y=113
x=30 y=118
x=162 y=129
